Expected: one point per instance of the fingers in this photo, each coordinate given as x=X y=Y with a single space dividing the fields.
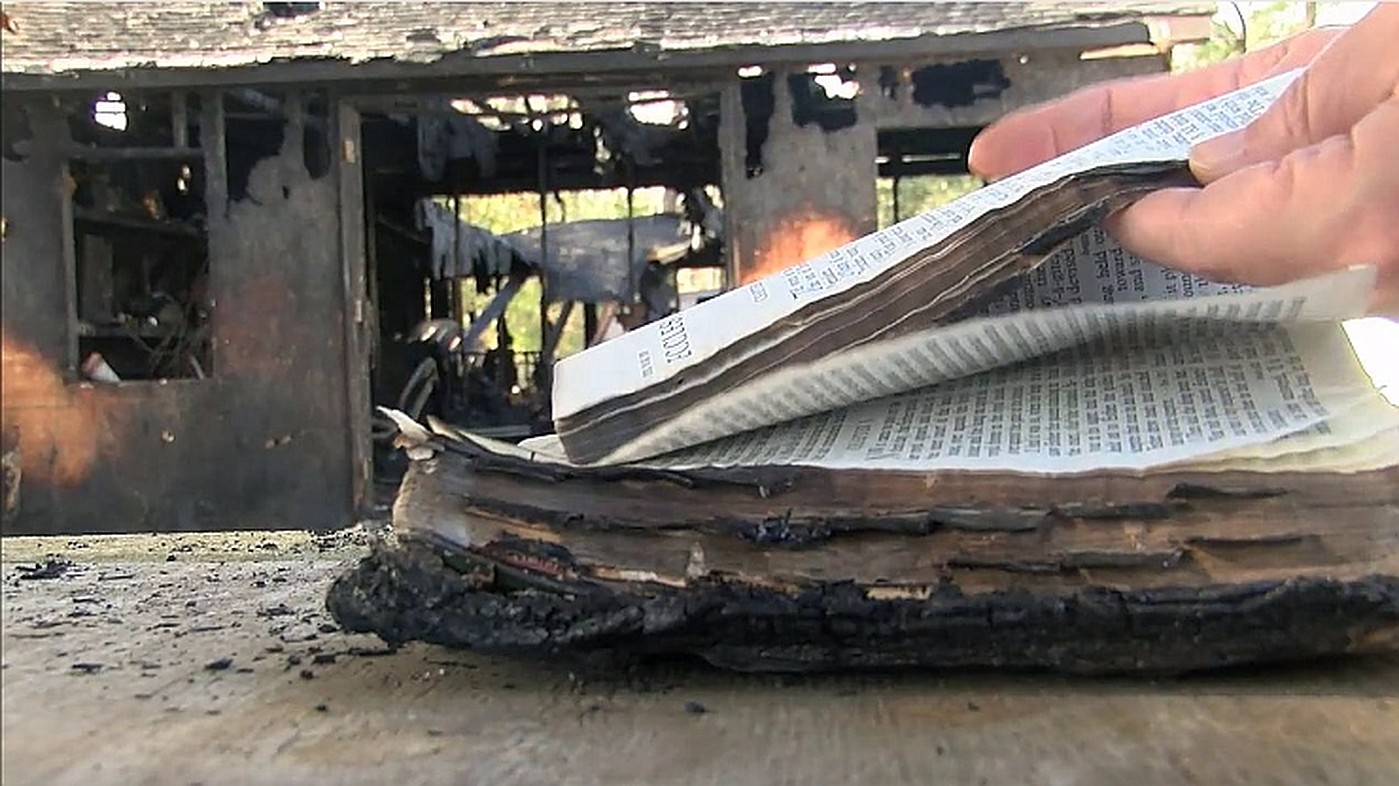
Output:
x=1319 y=208
x=1028 y=137
x=1340 y=86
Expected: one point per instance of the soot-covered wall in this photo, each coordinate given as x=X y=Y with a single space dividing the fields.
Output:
x=261 y=443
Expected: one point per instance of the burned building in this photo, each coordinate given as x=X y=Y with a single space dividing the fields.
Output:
x=219 y=230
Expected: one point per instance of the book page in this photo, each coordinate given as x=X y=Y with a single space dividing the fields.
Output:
x=660 y=350
x=1095 y=268
x=1376 y=451
x=976 y=345
x=1109 y=405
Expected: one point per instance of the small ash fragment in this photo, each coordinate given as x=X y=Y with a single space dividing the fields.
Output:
x=695 y=708
x=87 y=668
x=51 y=568
x=373 y=652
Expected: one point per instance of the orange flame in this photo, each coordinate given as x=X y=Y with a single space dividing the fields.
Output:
x=795 y=239
x=61 y=432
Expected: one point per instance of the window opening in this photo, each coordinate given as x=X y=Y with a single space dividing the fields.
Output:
x=140 y=252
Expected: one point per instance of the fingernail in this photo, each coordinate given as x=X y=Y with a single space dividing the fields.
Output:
x=1214 y=158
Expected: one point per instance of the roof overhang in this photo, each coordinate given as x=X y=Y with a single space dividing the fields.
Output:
x=604 y=66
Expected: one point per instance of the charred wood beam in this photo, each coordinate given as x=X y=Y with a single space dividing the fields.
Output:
x=465 y=70
x=213 y=140
x=951 y=166
x=79 y=152
x=551 y=339
x=496 y=308
x=685 y=161
x=403 y=232
x=275 y=107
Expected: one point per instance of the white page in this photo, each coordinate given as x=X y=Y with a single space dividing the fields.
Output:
x=1095 y=268
x=660 y=350
x=1086 y=409
x=975 y=345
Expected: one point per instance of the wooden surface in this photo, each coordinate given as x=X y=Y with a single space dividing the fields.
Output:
x=150 y=712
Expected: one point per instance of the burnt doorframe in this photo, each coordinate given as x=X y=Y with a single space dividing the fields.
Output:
x=350 y=183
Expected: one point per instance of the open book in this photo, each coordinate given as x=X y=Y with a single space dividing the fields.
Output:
x=984 y=436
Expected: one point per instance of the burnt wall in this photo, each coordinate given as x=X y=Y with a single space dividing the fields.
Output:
x=972 y=93
x=801 y=186
x=261 y=443
x=800 y=167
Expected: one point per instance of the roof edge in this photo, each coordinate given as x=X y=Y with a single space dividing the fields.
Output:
x=465 y=64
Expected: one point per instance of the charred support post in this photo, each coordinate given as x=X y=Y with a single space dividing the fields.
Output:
x=179 y=119
x=353 y=240
x=544 y=374
x=551 y=339
x=631 y=229
x=894 y=187
x=456 y=239
x=50 y=124
x=815 y=190
x=214 y=146
x=590 y=323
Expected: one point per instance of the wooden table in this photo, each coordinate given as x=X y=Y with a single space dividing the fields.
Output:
x=211 y=660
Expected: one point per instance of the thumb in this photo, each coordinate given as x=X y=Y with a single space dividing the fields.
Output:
x=1287 y=125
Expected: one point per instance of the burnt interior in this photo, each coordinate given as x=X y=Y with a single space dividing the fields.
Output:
x=201 y=236
x=450 y=148
x=140 y=239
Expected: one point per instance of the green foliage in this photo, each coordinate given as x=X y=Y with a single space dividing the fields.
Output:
x=504 y=213
x=919 y=194
x=1244 y=27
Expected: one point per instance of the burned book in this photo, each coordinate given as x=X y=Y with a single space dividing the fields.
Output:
x=985 y=436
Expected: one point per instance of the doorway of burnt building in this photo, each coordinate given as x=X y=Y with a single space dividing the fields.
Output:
x=502 y=230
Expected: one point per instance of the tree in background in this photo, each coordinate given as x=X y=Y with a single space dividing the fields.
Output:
x=1244 y=27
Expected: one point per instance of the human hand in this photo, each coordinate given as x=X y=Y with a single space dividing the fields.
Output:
x=1311 y=186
